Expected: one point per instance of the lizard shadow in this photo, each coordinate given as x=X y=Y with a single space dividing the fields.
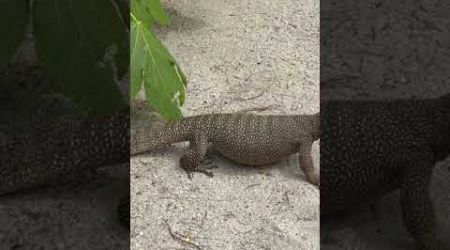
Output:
x=213 y=162
x=180 y=23
x=224 y=166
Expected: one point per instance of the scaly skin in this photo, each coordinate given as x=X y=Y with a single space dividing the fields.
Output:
x=369 y=148
x=244 y=138
x=62 y=149
x=59 y=151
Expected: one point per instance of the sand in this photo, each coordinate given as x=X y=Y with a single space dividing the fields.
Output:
x=236 y=55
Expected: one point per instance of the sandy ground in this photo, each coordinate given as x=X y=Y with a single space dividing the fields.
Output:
x=236 y=55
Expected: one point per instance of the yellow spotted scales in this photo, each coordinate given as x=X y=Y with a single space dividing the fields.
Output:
x=245 y=138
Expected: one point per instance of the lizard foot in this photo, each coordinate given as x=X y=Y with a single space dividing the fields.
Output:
x=190 y=173
x=209 y=166
x=206 y=172
x=205 y=169
x=190 y=165
x=314 y=179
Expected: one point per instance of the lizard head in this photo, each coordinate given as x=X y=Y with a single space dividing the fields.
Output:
x=442 y=124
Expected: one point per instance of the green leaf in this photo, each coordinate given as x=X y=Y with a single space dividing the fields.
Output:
x=83 y=44
x=140 y=10
x=157 y=12
x=149 y=11
x=14 y=16
x=153 y=66
x=137 y=60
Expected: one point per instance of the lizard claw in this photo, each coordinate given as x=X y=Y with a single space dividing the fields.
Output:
x=207 y=173
x=314 y=179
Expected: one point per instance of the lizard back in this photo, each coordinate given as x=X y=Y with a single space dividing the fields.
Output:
x=256 y=140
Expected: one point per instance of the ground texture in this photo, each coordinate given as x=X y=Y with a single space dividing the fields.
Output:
x=236 y=55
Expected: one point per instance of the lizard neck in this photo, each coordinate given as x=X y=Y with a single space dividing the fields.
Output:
x=442 y=127
x=108 y=139
x=148 y=138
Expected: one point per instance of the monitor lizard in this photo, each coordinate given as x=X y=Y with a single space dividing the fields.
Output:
x=369 y=148
x=244 y=138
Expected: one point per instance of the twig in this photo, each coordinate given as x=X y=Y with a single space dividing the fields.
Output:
x=256 y=109
x=252 y=97
x=180 y=238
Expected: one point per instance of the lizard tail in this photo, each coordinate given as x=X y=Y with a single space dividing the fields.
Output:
x=153 y=136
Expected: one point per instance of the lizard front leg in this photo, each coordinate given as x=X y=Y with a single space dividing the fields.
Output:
x=306 y=162
x=190 y=161
x=417 y=208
